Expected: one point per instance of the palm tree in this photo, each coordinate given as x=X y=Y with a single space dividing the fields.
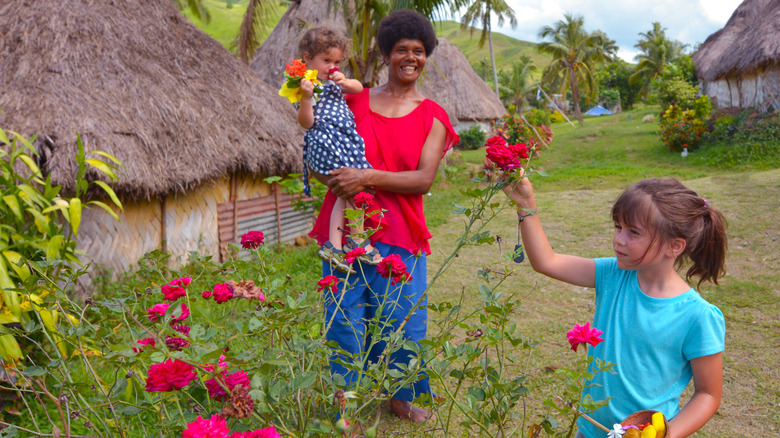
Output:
x=252 y=26
x=574 y=52
x=656 y=52
x=480 y=13
x=515 y=82
x=196 y=7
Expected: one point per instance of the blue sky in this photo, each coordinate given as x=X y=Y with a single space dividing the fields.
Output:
x=689 y=21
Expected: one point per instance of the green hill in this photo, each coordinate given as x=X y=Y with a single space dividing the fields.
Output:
x=226 y=16
x=506 y=48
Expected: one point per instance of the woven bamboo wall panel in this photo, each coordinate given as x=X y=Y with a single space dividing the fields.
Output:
x=191 y=221
x=119 y=245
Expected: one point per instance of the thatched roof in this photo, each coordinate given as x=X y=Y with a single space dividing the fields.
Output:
x=137 y=80
x=281 y=45
x=750 y=40
x=450 y=80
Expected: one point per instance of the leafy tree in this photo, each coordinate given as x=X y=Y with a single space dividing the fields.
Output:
x=515 y=84
x=574 y=55
x=656 y=52
x=614 y=76
x=479 y=12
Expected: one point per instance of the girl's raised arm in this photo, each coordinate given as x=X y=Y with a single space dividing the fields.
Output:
x=575 y=270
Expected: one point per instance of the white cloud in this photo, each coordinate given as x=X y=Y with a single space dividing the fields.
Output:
x=690 y=21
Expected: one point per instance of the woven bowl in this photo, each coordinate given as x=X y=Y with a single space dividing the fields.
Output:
x=639 y=418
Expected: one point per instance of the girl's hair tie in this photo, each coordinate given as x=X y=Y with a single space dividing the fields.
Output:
x=706 y=203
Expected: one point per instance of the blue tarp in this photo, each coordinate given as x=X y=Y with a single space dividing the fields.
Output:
x=598 y=110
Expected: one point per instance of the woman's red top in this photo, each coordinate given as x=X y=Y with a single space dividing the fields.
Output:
x=393 y=144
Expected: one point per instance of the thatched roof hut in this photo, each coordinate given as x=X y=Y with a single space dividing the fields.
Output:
x=193 y=126
x=739 y=65
x=450 y=80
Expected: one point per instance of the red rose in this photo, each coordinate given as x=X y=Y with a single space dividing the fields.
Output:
x=231 y=381
x=175 y=343
x=222 y=293
x=181 y=328
x=328 y=282
x=216 y=427
x=506 y=157
x=175 y=288
x=173 y=374
x=157 y=311
x=364 y=200
x=392 y=265
x=252 y=239
x=354 y=254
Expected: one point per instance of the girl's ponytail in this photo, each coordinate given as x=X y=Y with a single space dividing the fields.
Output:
x=707 y=251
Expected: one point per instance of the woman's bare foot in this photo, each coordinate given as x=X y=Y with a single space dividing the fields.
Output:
x=404 y=409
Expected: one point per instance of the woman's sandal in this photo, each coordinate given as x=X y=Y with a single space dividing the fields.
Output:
x=369 y=257
x=335 y=257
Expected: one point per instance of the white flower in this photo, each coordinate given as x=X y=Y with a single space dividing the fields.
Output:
x=616 y=432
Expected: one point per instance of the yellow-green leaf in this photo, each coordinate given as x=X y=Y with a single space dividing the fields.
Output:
x=53 y=248
x=4 y=137
x=40 y=221
x=13 y=203
x=14 y=258
x=110 y=193
x=109 y=156
x=75 y=215
x=23 y=140
x=30 y=163
x=101 y=166
x=106 y=208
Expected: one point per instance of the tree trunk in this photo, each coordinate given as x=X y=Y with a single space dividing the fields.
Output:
x=493 y=62
x=575 y=94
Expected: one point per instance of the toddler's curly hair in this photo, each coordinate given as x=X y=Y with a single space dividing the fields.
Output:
x=320 y=39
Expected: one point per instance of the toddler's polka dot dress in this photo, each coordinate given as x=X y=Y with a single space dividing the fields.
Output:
x=332 y=142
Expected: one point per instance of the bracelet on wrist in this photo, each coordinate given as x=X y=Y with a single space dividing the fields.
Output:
x=521 y=217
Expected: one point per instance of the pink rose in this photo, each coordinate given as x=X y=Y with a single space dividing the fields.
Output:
x=143 y=343
x=583 y=334
x=175 y=288
x=222 y=293
x=175 y=343
x=173 y=374
x=215 y=427
x=252 y=239
x=157 y=311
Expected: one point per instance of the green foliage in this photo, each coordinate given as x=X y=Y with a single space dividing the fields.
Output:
x=615 y=76
x=681 y=128
x=557 y=117
x=472 y=138
x=538 y=117
x=747 y=141
x=675 y=91
x=610 y=96
x=37 y=223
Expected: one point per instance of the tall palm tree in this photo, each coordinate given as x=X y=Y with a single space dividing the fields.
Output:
x=196 y=7
x=656 y=52
x=574 y=55
x=479 y=13
x=252 y=26
x=515 y=83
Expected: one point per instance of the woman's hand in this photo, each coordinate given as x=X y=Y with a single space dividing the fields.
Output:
x=348 y=181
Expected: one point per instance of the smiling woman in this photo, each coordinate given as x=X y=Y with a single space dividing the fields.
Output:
x=405 y=136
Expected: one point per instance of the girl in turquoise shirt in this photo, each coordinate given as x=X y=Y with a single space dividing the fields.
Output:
x=659 y=331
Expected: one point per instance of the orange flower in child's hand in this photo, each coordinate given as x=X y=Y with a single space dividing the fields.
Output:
x=296 y=68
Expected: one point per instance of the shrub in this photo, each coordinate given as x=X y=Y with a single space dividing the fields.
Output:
x=681 y=128
x=515 y=130
x=675 y=91
x=538 y=117
x=471 y=139
x=557 y=117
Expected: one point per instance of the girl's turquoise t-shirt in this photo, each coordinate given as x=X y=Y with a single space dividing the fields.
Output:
x=651 y=341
